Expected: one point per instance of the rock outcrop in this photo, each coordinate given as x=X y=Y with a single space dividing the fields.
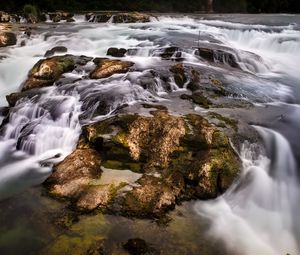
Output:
x=172 y=158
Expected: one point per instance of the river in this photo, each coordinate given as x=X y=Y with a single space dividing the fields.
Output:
x=257 y=215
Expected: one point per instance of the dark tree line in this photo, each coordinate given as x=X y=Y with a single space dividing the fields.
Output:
x=253 y=6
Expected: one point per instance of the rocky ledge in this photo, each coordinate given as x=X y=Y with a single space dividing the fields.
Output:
x=143 y=166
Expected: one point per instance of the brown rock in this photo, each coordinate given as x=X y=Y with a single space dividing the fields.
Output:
x=179 y=74
x=47 y=71
x=107 y=67
x=70 y=177
x=7 y=39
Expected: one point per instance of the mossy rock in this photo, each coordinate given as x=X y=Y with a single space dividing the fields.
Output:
x=173 y=159
x=199 y=99
x=227 y=121
x=46 y=71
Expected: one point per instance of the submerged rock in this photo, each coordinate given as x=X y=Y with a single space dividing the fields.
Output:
x=115 y=52
x=179 y=74
x=173 y=53
x=57 y=49
x=46 y=71
x=107 y=67
x=7 y=39
x=137 y=246
x=174 y=159
x=218 y=56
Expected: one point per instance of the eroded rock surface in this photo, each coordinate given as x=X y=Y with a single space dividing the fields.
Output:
x=176 y=158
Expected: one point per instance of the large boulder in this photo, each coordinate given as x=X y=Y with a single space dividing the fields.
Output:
x=7 y=39
x=166 y=158
x=46 y=71
x=107 y=67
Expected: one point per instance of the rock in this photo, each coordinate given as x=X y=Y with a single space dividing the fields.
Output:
x=101 y=18
x=4 y=17
x=32 y=19
x=182 y=150
x=200 y=99
x=108 y=67
x=46 y=71
x=7 y=39
x=60 y=15
x=77 y=177
x=194 y=83
x=70 y=20
x=179 y=74
x=172 y=158
x=138 y=246
x=88 y=16
x=57 y=49
x=173 y=53
x=28 y=31
x=131 y=17
x=71 y=176
x=56 y=19
x=43 y=17
x=218 y=56
x=115 y=52
x=14 y=97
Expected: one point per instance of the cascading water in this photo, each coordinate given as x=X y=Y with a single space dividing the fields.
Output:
x=258 y=215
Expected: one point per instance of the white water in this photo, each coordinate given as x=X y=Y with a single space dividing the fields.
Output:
x=258 y=214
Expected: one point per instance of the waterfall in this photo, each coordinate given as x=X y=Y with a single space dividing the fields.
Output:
x=258 y=214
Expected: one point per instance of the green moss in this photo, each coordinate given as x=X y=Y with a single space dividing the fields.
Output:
x=29 y=9
x=219 y=139
x=201 y=100
x=119 y=165
x=228 y=121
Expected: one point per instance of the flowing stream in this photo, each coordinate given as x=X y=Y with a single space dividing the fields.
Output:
x=259 y=213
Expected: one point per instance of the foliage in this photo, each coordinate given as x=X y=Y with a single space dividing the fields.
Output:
x=254 y=6
x=30 y=10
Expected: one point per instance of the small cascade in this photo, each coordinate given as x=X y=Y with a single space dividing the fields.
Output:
x=258 y=215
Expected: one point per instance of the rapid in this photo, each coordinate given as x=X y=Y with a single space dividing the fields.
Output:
x=259 y=213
